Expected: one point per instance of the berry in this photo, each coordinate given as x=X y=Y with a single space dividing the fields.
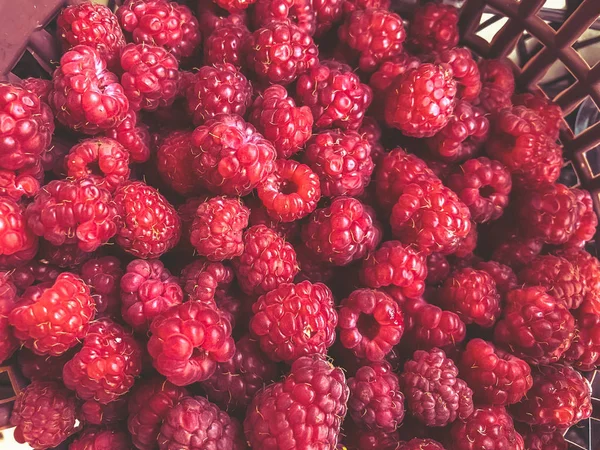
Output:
x=420 y=444
x=66 y=256
x=174 y=161
x=503 y=275
x=97 y=439
x=488 y=427
x=371 y=132
x=95 y=413
x=589 y=268
x=17 y=242
x=227 y=45
x=44 y=415
x=550 y=113
x=103 y=276
x=8 y=297
x=42 y=367
x=434 y=393
x=584 y=353
x=26 y=182
x=296 y=12
x=149 y=225
x=498 y=85
x=310 y=269
x=328 y=13
x=260 y=216
x=585 y=229
x=434 y=28
x=438 y=269
x=134 y=136
x=542 y=439
x=233 y=6
x=206 y=281
x=511 y=248
x=535 y=326
x=211 y=17
x=39 y=86
x=360 y=439
x=465 y=70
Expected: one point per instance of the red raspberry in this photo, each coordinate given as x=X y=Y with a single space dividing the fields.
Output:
x=236 y=382
x=234 y=6
x=560 y=397
x=260 y=216
x=17 y=242
x=335 y=95
x=589 y=268
x=420 y=444
x=421 y=101
x=296 y=12
x=541 y=439
x=66 y=256
x=149 y=225
x=492 y=99
x=197 y=424
x=310 y=269
x=349 y=6
x=206 y=281
x=535 y=326
x=438 y=269
x=371 y=132
x=584 y=353
x=41 y=367
x=434 y=393
x=93 y=25
x=465 y=70
x=98 y=439
x=134 y=136
x=496 y=377
x=211 y=17
x=550 y=113
x=294 y=320
x=230 y=157
x=95 y=413
x=174 y=162
x=498 y=85
x=38 y=86
x=464 y=253
x=489 y=427
x=280 y=415
x=158 y=22
x=291 y=192
x=149 y=403
x=343 y=232
x=8 y=297
x=359 y=439
x=503 y=275
x=328 y=13
x=103 y=276
x=188 y=341
x=25 y=182
x=44 y=415
x=227 y=45
x=87 y=97
x=434 y=28
x=585 y=229
x=519 y=141
x=511 y=248
x=147 y=290
x=374 y=34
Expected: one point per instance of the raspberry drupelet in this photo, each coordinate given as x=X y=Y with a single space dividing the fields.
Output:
x=174 y=163
x=8 y=297
x=99 y=439
x=434 y=28
x=489 y=427
x=103 y=276
x=465 y=70
x=227 y=45
x=18 y=244
x=132 y=134
x=298 y=12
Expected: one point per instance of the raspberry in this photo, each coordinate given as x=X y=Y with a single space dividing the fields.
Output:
x=519 y=141
x=280 y=415
x=277 y=117
x=21 y=183
x=328 y=13
x=42 y=367
x=434 y=28
x=311 y=269
x=503 y=275
x=212 y=18
x=227 y=45
x=465 y=69
x=498 y=84
x=158 y=22
x=103 y=276
x=44 y=415
x=260 y=216
x=294 y=320
x=349 y=6
x=196 y=424
x=560 y=397
x=93 y=25
x=585 y=229
x=188 y=340
x=421 y=101
x=234 y=6
x=174 y=162
x=343 y=232
x=134 y=136
x=17 y=242
x=218 y=89
x=149 y=225
x=95 y=413
x=86 y=97
x=464 y=252
x=96 y=439
x=376 y=401
x=550 y=113
x=375 y=35
x=512 y=249
x=492 y=99
x=589 y=268
x=8 y=297
x=434 y=393
x=206 y=281
x=56 y=318
x=359 y=439
x=420 y=444
x=584 y=353
x=230 y=157
x=541 y=439
x=66 y=256
x=291 y=192
x=149 y=403
x=535 y=326
x=335 y=95
x=39 y=86
x=280 y=51
x=296 y=12
x=489 y=427
x=370 y=131
x=236 y=382
x=438 y=269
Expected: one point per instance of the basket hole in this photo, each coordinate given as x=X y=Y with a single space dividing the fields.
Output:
x=490 y=24
x=527 y=46
x=568 y=176
x=578 y=435
x=7 y=392
x=587 y=46
x=592 y=161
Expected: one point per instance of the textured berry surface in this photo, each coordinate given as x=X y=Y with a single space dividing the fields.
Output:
x=434 y=27
x=92 y=439
x=584 y=353
x=103 y=276
x=511 y=248
x=585 y=229
x=465 y=70
x=549 y=112
x=384 y=76
x=204 y=281
x=174 y=161
x=18 y=243
x=297 y=12
x=8 y=296
x=134 y=136
x=503 y=275
x=420 y=444
x=489 y=427
x=438 y=269
x=96 y=413
x=227 y=45
x=541 y=439
x=25 y=182
x=66 y=256
x=35 y=272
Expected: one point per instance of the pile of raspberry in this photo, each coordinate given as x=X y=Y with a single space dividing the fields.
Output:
x=224 y=247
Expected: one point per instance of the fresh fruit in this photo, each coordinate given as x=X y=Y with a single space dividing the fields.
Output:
x=18 y=243
x=297 y=12
x=434 y=28
x=227 y=44
x=8 y=296
x=489 y=427
x=92 y=439
x=103 y=276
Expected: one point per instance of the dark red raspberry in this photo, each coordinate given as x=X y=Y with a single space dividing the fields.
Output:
x=94 y=25
x=205 y=281
x=585 y=229
x=584 y=353
x=464 y=253
x=260 y=216
x=310 y=269
x=465 y=71
x=149 y=403
x=25 y=182
x=510 y=247
x=280 y=51
x=8 y=297
x=535 y=326
x=174 y=162
x=503 y=275
x=236 y=382
x=66 y=256
x=100 y=439
x=550 y=113
x=134 y=136
x=328 y=13
x=519 y=141
x=230 y=157
x=188 y=340
x=95 y=413
x=419 y=444
x=294 y=320
x=434 y=28
x=539 y=438
x=489 y=427
x=589 y=268
x=149 y=225
x=422 y=100
x=17 y=242
x=438 y=269
x=103 y=276
x=356 y=438
x=291 y=192
x=87 y=97
x=227 y=45
x=434 y=393
x=147 y=290
x=197 y=424
x=44 y=415
x=42 y=367
x=296 y=12
x=560 y=397
x=371 y=132
x=498 y=85
x=280 y=415
x=335 y=95
x=159 y=22
x=39 y=86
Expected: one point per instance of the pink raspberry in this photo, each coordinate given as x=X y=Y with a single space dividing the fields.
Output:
x=498 y=85
x=39 y=86
x=98 y=439
x=227 y=45
x=465 y=69
x=260 y=216
x=296 y=12
x=434 y=27
x=103 y=276
x=589 y=267
x=8 y=297
x=132 y=134
x=174 y=161
x=18 y=244
x=489 y=427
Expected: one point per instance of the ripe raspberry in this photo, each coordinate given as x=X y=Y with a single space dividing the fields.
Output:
x=42 y=367
x=498 y=85
x=584 y=353
x=188 y=341
x=535 y=326
x=349 y=6
x=44 y=415
x=560 y=397
x=310 y=269
x=421 y=101
x=197 y=424
x=343 y=232
x=17 y=242
x=132 y=134
x=541 y=439
x=328 y=14
x=234 y=6
x=511 y=248
x=519 y=141
x=174 y=162
x=8 y=297
x=434 y=393
x=585 y=229
x=335 y=95
x=260 y=216
x=149 y=403
x=206 y=281
x=492 y=99
x=359 y=439
x=434 y=28
x=550 y=113
x=149 y=225
x=95 y=413
x=227 y=45
x=489 y=427
x=99 y=439
x=211 y=17
x=230 y=157
x=464 y=253
x=103 y=276
x=66 y=256
x=87 y=97
x=280 y=415
x=291 y=192
x=420 y=444
x=465 y=70
x=25 y=182
x=93 y=25
x=296 y=12
x=371 y=132
x=505 y=278
x=589 y=268
x=236 y=382
x=374 y=34
x=438 y=269
x=39 y=86
x=158 y=22
x=294 y=320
